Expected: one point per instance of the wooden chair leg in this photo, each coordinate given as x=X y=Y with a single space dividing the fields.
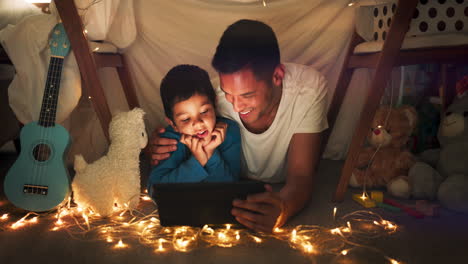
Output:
x=127 y=85
x=370 y=107
x=387 y=59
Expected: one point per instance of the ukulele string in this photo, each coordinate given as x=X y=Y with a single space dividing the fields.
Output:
x=43 y=123
x=48 y=94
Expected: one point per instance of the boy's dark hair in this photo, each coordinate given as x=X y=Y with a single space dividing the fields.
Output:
x=248 y=43
x=181 y=83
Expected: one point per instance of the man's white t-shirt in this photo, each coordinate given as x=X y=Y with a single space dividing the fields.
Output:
x=302 y=109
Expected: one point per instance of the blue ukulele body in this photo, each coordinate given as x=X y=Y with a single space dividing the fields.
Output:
x=39 y=179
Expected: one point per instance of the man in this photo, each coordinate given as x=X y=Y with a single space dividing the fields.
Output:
x=281 y=112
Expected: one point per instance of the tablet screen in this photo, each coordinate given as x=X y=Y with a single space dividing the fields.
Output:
x=197 y=204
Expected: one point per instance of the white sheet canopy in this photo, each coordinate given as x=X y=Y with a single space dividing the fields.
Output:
x=167 y=33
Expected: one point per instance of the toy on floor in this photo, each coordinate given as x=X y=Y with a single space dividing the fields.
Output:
x=115 y=177
x=444 y=172
x=363 y=200
x=386 y=161
x=410 y=211
x=427 y=208
x=377 y=199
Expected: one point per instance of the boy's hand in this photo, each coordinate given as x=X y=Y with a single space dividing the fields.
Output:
x=196 y=147
x=217 y=137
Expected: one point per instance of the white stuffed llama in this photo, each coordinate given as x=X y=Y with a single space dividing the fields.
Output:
x=115 y=177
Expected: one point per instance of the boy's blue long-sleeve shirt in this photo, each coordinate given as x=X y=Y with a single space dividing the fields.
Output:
x=181 y=166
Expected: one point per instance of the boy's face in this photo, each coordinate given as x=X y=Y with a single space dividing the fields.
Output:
x=194 y=116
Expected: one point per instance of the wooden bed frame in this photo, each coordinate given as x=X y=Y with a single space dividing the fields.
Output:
x=89 y=62
x=390 y=56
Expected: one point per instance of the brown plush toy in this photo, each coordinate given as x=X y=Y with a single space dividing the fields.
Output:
x=391 y=160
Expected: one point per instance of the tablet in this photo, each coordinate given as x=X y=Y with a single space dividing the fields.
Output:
x=197 y=204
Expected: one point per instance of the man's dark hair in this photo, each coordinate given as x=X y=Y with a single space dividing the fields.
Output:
x=181 y=83
x=248 y=43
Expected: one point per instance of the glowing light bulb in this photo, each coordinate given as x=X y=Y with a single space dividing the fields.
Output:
x=257 y=239
x=85 y=217
x=181 y=244
x=120 y=244
x=160 y=246
x=308 y=247
x=17 y=224
x=222 y=236
x=293 y=235
x=277 y=230
x=392 y=261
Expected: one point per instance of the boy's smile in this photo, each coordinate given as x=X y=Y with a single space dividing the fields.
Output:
x=202 y=134
x=194 y=116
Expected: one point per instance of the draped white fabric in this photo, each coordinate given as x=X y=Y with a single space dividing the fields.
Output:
x=312 y=32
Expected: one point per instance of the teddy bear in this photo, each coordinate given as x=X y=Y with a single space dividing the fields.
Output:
x=115 y=177
x=385 y=160
x=443 y=173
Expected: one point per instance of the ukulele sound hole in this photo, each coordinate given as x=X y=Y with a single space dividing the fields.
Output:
x=41 y=152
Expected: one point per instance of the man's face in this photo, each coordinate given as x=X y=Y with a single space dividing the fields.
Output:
x=194 y=116
x=248 y=96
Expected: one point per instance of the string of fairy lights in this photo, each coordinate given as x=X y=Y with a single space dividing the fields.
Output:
x=125 y=227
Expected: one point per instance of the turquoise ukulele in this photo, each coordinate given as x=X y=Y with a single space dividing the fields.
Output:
x=39 y=180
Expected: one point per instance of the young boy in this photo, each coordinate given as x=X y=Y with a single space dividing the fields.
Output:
x=208 y=148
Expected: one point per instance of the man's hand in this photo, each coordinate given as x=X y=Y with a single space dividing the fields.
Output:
x=217 y=137
x=196 y=147
x=160 y=148
x=260 y=212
